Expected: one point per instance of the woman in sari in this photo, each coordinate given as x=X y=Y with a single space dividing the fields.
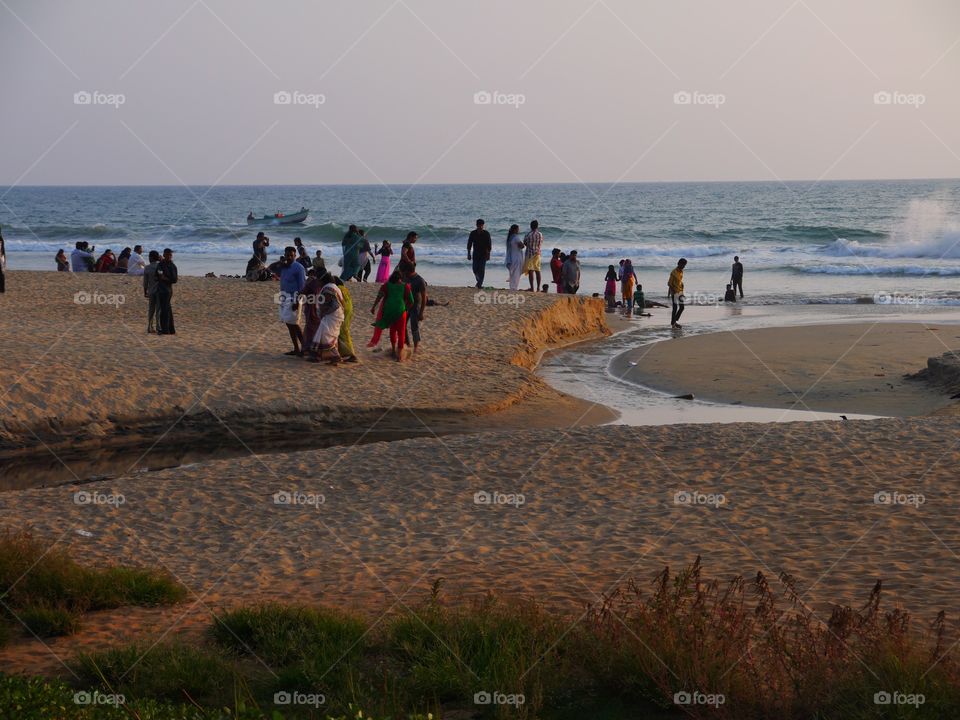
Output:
x=310 y=296
x=344 y=339
x=396 y=300
x=330 y=309
x=351 y=244
x=514 y=259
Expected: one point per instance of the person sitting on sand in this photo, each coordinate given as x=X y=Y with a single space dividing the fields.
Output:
x=639 y=301
x=63 y=265
x=675 y=292
x=729 y=295
x=256 y=271
x=318 y=264
x=330 y=309
x=396 y=299
x=260 y=245
x=628 y=280
x=122 y=261
x=418 y=289
x=136 y=263
x=81 y=259
x=106 y=262
x=292 y=279
x=533 y=243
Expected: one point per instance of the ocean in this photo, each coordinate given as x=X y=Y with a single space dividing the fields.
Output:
x=890 y=241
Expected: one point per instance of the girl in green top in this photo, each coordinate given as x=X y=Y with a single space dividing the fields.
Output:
x=394 y=299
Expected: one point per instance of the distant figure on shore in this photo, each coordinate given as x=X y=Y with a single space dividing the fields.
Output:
x=610 y=287
x=675 y=291
x=330 y=309
x=571 y=274
x=260 y=245
x=167 y=277
x=736 y=275
x=533 y=242
x=557 y=259
x=3 y=264
x=106 y=262
x=350 y=246
x=303 y=258
x=729 y=295
x=407 y=251
x=628 y=282
x=418 y=289
x=63 y=265
x=479 y=244
x=514 y=257
x=366 y=258
x=150 y=285
x=136 y=263
x=250 y=216
x=292 y=279
x=396 y=299
x=81 y=259
x=383 y=268
x=318 y=263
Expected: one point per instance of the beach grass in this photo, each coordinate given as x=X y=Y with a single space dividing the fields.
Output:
x=45 y=591
x=686 y=646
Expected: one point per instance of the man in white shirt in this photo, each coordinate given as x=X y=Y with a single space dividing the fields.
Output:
x=532 y=243
x=136 y=263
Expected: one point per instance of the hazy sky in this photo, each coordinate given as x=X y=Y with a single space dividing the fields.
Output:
x=590 y=90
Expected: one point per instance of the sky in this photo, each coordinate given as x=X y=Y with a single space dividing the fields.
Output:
x=116 y=92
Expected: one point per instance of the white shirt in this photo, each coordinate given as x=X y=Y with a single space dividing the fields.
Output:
x=136 y=264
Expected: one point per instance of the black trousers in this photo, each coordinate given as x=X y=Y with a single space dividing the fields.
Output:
x=165 y=310
x=479 y=269
x=737 y=284
x=678 y=306
x=3 y=283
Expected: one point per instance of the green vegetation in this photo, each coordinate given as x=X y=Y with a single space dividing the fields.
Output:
x=45 y=592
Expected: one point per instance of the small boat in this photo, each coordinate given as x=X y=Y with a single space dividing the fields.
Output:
x=279 y=218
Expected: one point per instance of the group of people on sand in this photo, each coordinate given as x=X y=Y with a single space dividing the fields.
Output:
x=84 y=259
x=320 y=299
x=522 y=254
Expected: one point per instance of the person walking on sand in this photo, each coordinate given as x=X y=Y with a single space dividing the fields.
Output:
x=479 y=244
x=736 y=275
x=514 y=258
x=150 y=285
x=570 y=274
x=396 y=299
x=418 y=289
x=167 y=277
x=292 y=279
x=533 y=242
x=675 y=291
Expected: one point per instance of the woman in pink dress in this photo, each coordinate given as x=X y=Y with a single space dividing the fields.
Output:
x=383 y=269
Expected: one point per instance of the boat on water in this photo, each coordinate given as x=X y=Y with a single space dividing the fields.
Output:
x=279 y=218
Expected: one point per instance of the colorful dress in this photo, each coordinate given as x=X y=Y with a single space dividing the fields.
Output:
x=396 y=299
x=331 y=303
x=344 y=340
x=383 y=269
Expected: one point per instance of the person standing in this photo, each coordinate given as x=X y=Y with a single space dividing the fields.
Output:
x=514 y=259
x=136 y=264
x=736 y=275
x=3 y=264
x=418 y=289
x=628 y=281
x=292 y=279
x=557 y=259
x=351 y=244
x=166 y=278
x=532 y=242
x=675 y=291
x=344 y=338
x=366 y=259
x=570 y=274
x=150 y=285
x=406 y=250
x=480 y=244
x=383 y=268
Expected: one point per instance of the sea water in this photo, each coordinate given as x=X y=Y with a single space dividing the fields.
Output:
x=890 y=241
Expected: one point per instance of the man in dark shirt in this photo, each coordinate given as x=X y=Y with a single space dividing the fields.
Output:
x=166 y=279
x=418 y=288
x=479 y=244
x=260 y=246
x=736 y=276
